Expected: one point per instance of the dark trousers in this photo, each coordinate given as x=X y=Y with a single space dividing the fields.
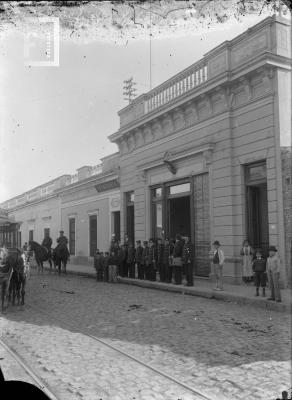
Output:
x=148 y=272
x=141 y=268
x=153 y=272
x=105 y=273
x=125 y=269
x=131 y=269
x=99 y=274
x=168 y=270
x=260 y=279
x=189 y=274
x=162 y=272
x=178 y=274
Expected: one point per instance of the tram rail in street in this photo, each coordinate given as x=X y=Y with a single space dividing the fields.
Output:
x=37 y=381
x=199 y=395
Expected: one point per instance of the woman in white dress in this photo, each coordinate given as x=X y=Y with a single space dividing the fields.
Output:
x=247 y=257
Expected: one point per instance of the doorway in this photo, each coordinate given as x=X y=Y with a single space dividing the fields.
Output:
x=92 y=234
x=179 y=218
x=257 y=212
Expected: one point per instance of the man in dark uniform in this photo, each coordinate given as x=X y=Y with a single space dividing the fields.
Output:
x=159 y=260
x=188 y=256
x=138 y=258
x=166 y=267
x=63 y=242
x=177 y=259
x=47 y=242
x=131 y=261
x=152 y=261
x=145 y=261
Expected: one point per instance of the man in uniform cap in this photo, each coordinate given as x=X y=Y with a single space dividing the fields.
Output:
x=138 y=258
x=188 y=255
x=62 y=242
x=145 y=260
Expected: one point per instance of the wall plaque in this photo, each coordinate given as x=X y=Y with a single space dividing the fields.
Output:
x=104 y=186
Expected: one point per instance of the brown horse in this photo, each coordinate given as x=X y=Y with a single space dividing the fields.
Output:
x=41 y=254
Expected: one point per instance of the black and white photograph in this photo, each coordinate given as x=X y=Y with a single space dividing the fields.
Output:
x=146 y=200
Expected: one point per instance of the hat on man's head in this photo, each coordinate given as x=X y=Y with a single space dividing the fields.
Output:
x=273 y=248
x=61 y=231
x=145 y=242
x=216 y=243
x=138 y=241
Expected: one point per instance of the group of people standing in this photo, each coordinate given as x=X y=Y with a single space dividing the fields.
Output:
x=260 y=269
x=165 y=259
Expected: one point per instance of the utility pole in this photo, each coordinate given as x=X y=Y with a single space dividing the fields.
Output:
x=129 y=89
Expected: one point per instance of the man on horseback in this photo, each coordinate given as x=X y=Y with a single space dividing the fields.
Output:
x=62 y=243
x=47 y=242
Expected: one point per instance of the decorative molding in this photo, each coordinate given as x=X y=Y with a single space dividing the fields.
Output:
x=253 y=157
x=148 y=135
x=141 y=176
x=247 y=87
x=115 y=202
x=46 y=218
x=170 y=165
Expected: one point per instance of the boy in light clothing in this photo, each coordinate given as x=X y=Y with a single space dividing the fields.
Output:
x=273 y=270
x=217 y=257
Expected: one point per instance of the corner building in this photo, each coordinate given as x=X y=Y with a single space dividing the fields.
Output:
x=202 y=153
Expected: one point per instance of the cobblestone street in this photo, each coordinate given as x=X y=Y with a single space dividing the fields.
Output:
x=223 y=350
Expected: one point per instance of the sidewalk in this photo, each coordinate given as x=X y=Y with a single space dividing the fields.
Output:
x=241 y=294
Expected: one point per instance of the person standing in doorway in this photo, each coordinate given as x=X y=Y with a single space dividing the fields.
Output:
x=273 y=269
x=217 y=257
x=246 y=253
x=188 y=256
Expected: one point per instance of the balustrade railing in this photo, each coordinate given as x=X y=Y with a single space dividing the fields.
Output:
x=194 y=76
x=96 y=170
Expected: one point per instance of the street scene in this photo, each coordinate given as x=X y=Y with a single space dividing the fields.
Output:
x=221 y=350
x=146 y=200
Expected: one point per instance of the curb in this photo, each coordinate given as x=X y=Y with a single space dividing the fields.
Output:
x=199 y=292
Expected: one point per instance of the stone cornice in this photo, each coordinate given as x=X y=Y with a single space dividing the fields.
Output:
x=204 y=148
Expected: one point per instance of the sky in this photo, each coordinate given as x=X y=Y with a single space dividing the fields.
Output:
x=55 y=119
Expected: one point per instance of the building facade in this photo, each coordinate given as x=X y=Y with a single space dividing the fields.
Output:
x=206 y=154
x=202 y=154
x=86 y=206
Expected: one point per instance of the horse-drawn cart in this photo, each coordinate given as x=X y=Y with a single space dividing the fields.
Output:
x=9 y=231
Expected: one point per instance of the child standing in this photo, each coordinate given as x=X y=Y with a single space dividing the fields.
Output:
x=273 y=268
x=259 y=269
x=217 y=257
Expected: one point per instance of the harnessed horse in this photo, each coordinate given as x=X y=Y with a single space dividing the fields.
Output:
x=18 y=281
x=10 y=260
